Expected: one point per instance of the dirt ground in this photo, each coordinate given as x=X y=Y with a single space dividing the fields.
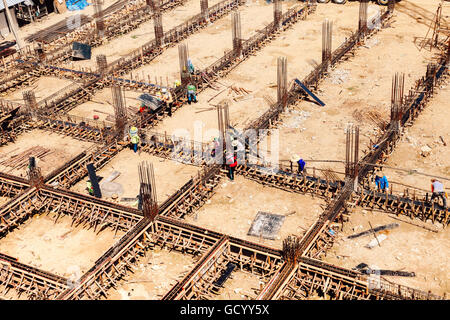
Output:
x=169 y=175
x=407 y=154
x=57 y=248
x=208 y=45
x=158 y=272
x=123 y=45
x=240 y=286
x=258 y=74
x=407 y=248
x=356 y=92
x=101 y=105
x=235 y=205
x=62 y=149
x=43 y=88
x=4 y=200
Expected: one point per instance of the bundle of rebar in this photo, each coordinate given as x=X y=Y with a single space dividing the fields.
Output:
x=147 y=190
x=157 y=21
x=30 y=100
x=236 y=33
x=102 y=64
x=327 y=36
x=277 y=12
x=363 y=5
x=391 y=5
x=204 y=9
x=291 y=246
x=352 y=151
x=120 y=111
x=183 y=59
x=398 y=85
x=21 y=160
x=282 y=81
x=223 y=118
x=99 y=21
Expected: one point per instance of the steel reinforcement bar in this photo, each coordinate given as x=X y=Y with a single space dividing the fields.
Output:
x=76 y=169
x=271 y=116
x=17 y=210
x=87 y=210
x=37 y=284
x=11 y=186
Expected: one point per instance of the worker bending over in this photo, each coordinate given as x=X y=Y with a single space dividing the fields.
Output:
x=438 y=191
x=382 y=183
x=134 y=138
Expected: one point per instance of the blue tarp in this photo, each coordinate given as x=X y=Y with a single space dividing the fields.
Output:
x=73 y=5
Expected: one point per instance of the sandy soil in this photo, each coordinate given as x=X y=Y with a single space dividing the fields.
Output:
x=258 y=74
x=4 y=200
x=57 y=248
x=158 y=272
x=169 y=175
x=123 y=45
x=62 y=149
x=407 y=248
x=240 y=286
x=208 y=45
x=43 y=88
x=407 y=154
x=366 y=88
x=236 y=205
x=102 y=101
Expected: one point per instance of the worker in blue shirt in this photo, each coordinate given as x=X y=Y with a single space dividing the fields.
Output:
x=382 y=183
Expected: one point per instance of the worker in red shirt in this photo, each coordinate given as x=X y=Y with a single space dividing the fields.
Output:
x=232 y=164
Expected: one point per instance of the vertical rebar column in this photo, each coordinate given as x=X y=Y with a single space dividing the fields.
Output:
x=99 y=21
x=352 y=152
x=223 y=118
x=391 y=6
x=282 y=81
x=157 y=21
x=397 y=95
x=277 y=11
x=362 y=26
x=184 y=68
x=236 y=33
x=120 y=111
x=204 y=9
x=327 y=38
x=30 y=101
x=102 y=64
x=147 y=190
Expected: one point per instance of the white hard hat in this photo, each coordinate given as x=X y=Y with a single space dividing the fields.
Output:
x=164 y=90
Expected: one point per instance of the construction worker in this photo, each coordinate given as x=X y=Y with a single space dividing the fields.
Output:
x=231 y=160
x=190 y=67
x=191 y=93
x=89 y=188
x=382 y=183
x=438 y=191
x=134 y=138
x=177 y=83
x=168 y=101
x=300 y=163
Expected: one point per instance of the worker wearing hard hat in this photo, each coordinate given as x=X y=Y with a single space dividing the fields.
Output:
x=191 y=93
x=134 y=138
x=168 y=100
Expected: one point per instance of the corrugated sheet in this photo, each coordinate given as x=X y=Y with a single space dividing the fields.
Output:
x=9 y=3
